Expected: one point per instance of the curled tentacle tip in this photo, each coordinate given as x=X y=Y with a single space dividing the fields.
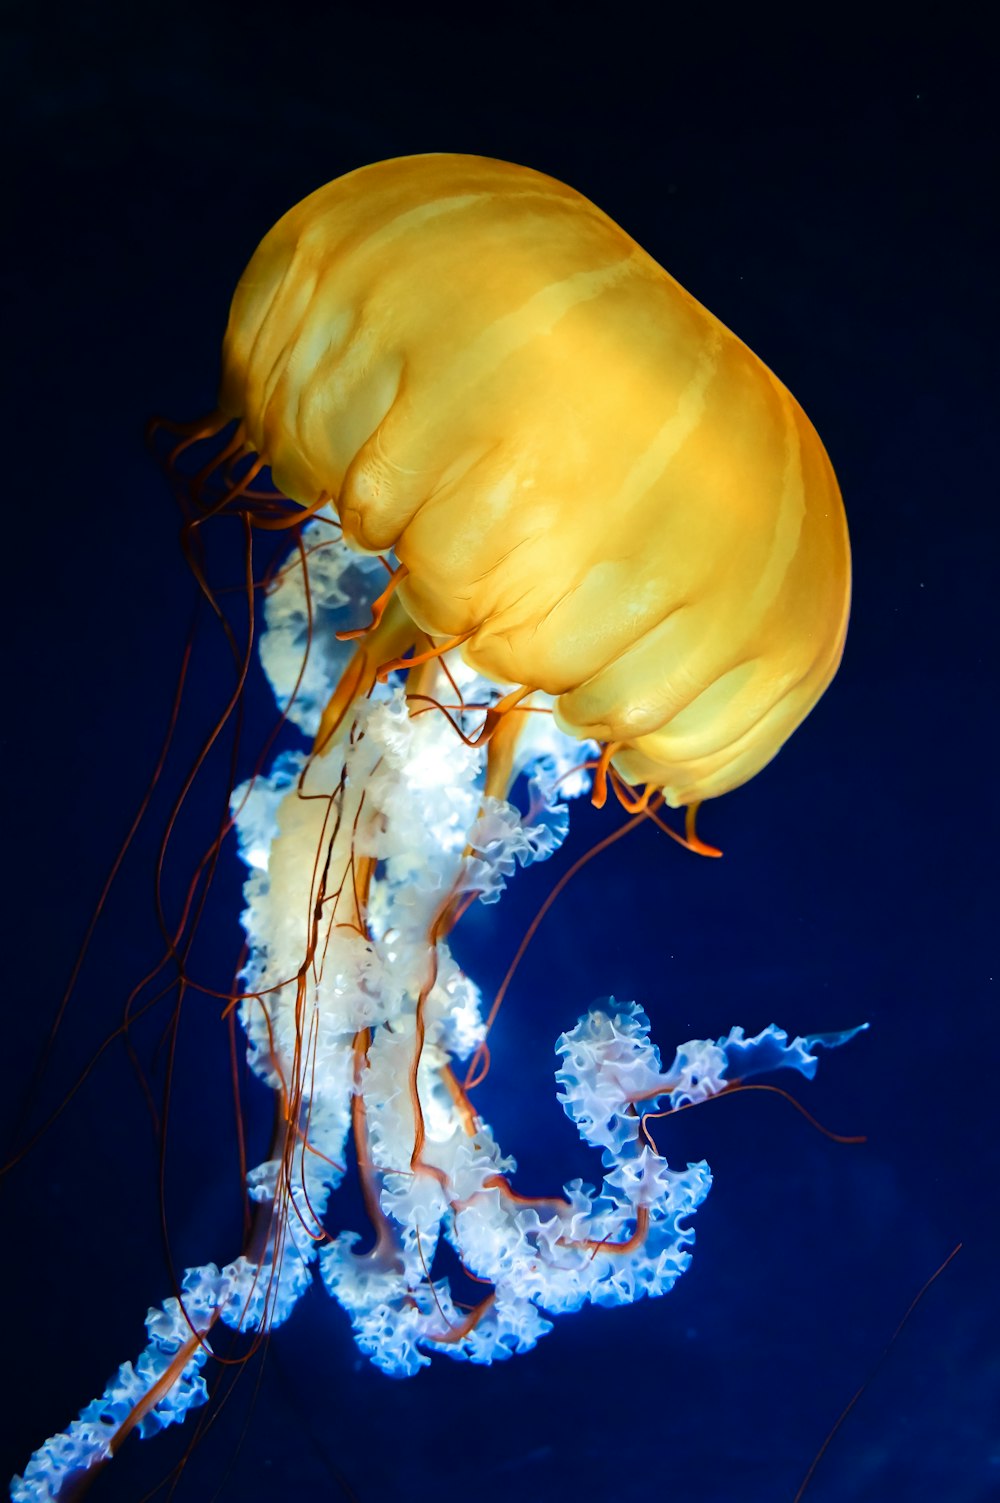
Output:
x=702 y=848
x=692 y=839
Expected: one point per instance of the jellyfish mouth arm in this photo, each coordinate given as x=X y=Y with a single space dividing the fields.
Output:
x=360 y=855
x=439 y=1173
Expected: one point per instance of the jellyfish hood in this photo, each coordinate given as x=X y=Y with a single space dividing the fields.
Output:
x=591 y=482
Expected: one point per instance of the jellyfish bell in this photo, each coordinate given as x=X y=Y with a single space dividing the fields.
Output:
x=547 y=501
x=590 y=482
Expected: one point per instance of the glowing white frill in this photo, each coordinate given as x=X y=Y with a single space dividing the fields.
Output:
x=406 y=791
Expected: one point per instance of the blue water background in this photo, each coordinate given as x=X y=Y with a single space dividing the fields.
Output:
x=827 y=193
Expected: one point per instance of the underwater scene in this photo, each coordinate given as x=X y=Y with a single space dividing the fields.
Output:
x=496 y=1000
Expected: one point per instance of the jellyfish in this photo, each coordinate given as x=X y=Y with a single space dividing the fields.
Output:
x=555 y=532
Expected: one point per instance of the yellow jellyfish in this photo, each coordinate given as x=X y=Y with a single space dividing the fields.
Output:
x=588 y=481
x=562 y=504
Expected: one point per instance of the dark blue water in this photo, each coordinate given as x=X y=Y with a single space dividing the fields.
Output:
x=828 y=195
